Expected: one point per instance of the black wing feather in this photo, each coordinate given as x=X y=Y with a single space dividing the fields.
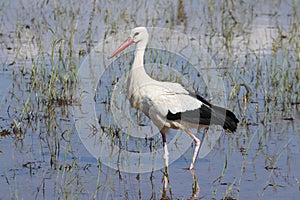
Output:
x=207 y=114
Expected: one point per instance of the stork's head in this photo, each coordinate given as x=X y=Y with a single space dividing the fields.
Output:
x=138 y=35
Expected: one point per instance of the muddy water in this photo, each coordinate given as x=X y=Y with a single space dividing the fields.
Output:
x=255 y=46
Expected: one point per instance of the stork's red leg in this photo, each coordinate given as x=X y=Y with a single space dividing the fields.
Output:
x=197 y=141
x=163 y=132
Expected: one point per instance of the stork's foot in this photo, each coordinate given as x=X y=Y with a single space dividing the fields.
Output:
x=191 y=168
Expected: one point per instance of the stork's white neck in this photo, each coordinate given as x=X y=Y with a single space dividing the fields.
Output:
x=138 y=58
x=139 y=53
x=137 y=76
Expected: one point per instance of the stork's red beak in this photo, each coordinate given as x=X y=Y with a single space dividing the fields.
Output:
x=123 y=46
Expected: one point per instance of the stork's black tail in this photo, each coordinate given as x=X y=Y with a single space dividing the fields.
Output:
x=207 y=114
x=225 y=118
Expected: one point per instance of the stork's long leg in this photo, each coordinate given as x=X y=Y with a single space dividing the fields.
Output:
x=163 y=132
x=197 y=141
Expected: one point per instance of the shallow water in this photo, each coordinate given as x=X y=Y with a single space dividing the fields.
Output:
x=254 y=45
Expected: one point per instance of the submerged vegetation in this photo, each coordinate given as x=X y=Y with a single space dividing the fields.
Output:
x=255 y=46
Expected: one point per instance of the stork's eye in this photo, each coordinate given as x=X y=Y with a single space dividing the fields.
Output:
x=137 y=33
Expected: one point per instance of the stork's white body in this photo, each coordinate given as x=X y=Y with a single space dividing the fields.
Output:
x=157 y=99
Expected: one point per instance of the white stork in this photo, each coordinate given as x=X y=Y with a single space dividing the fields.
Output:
x=169 y=105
